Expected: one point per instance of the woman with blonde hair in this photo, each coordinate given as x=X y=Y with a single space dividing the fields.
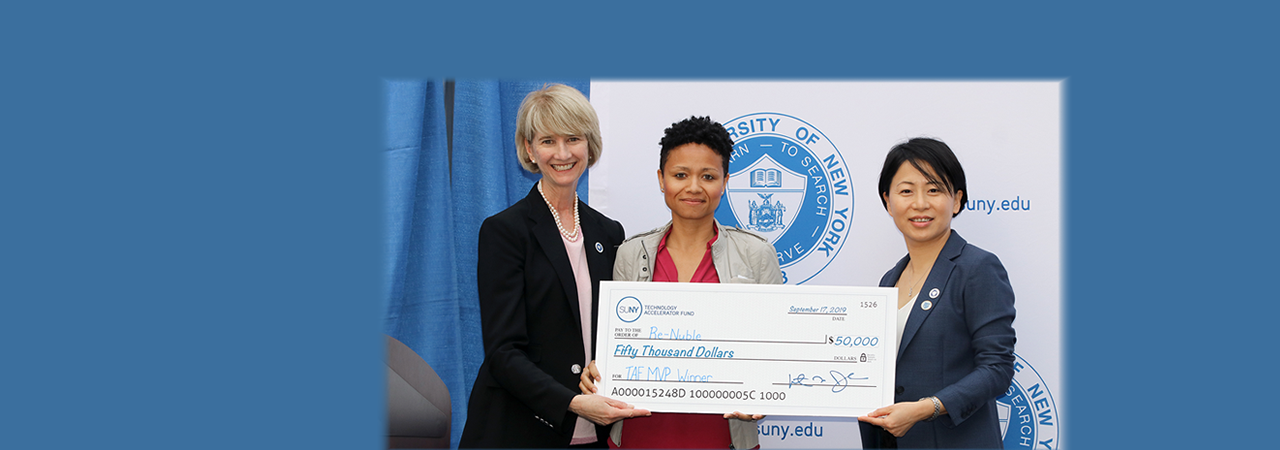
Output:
x=539 y=272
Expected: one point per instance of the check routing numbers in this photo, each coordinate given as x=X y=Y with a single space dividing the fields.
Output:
x=746 y=349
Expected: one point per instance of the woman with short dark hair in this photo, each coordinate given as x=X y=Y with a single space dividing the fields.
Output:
x=692 y=175
x=955 y=312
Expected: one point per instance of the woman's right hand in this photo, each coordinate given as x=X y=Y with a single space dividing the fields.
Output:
x=898 y=418
x=589 y=378
x=603 y=410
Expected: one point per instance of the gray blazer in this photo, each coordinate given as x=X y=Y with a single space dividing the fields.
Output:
x=739 y=256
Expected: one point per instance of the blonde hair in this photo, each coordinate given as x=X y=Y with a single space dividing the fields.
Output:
x=560 y=110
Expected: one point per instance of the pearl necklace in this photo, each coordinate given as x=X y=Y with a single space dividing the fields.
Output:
x=572 y=237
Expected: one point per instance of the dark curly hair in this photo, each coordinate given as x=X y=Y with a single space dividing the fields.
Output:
x=697 y=130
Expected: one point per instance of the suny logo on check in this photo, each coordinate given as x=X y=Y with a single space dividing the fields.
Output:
x=629 y=309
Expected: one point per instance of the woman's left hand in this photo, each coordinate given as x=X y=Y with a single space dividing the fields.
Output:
x=587 y=381
x=743 y=416
x=898 y=418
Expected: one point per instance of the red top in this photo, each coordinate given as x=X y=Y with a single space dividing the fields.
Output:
x=675 y=430
x=664 y=268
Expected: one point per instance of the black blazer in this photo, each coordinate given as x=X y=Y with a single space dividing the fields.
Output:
x=530 y=319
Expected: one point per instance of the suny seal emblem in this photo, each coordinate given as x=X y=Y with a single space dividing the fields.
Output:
x=788 y=183
x=1028 y=414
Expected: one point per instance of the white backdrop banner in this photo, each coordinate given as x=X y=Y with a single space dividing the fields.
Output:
x=812 y=193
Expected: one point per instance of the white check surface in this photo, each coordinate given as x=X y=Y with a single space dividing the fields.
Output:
x=758 y=349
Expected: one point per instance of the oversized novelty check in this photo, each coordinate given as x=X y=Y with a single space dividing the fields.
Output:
x=758 y=349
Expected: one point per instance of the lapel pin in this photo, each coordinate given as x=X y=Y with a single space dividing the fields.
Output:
x=926 y=305
x=599 y=248
x=934 y=293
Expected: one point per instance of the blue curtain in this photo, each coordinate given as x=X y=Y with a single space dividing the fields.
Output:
x=435 y=202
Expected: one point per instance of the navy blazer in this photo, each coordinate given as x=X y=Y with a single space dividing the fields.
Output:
x=529 y=315
x=957 y=345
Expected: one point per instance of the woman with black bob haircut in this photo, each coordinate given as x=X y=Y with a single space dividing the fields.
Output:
x=692 y=174
x=955 y=312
